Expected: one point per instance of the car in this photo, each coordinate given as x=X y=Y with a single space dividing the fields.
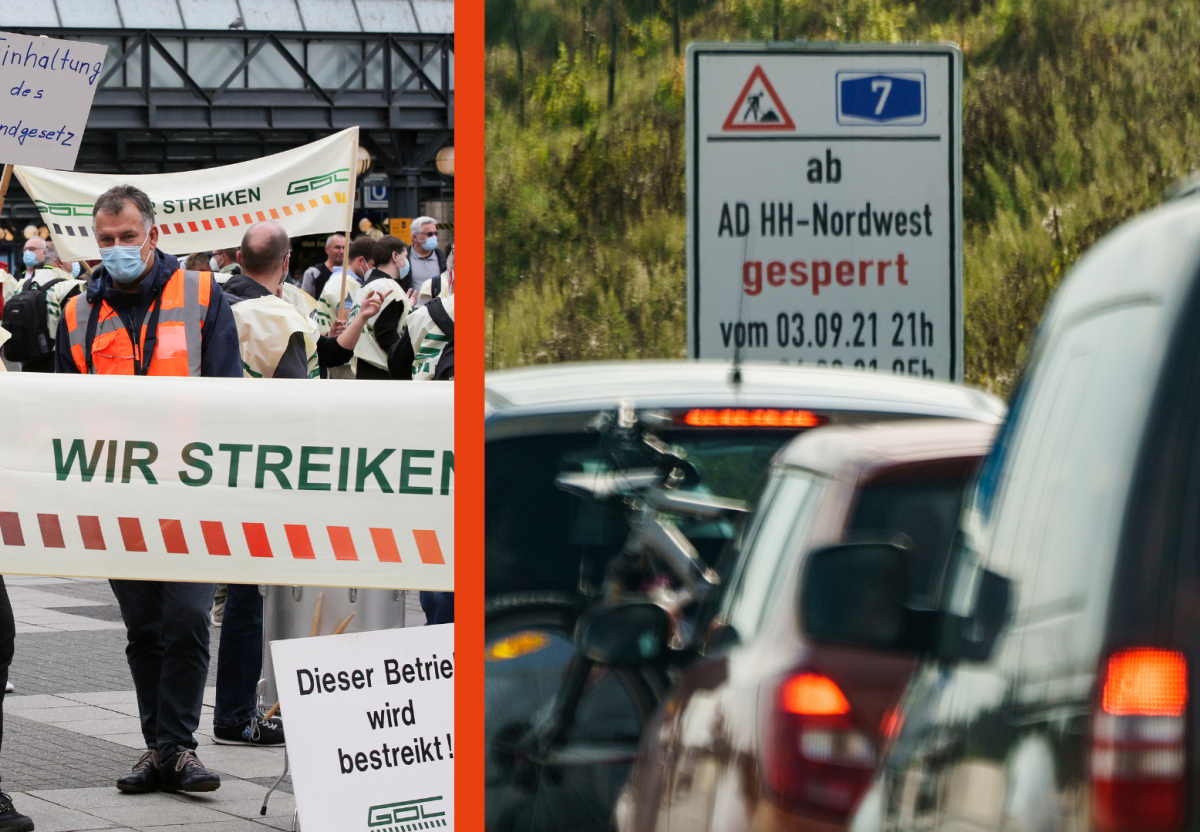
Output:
x=546 y=549
x=765 y=729
x=1056 y=675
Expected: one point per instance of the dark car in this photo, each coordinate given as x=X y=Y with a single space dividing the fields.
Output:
x=543 y=545
x=766 y=730
x=1054 y=691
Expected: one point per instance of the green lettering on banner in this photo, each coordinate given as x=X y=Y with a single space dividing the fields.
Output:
x=307 y=466
x=447 y=471
x=365 y=469
x=235 y=452
x=110 y=464
x=276 y=468
x=312 y=183
x=408 y=470
x=344 y=469
x=189 y=459
x=87 y=468
x=143 y=464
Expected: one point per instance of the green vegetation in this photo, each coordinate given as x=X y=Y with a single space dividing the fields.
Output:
x=1077 y=115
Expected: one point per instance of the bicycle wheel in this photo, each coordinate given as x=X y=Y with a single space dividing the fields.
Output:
x=572 y=786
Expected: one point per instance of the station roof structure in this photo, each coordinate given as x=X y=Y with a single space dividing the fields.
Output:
x=190 y=84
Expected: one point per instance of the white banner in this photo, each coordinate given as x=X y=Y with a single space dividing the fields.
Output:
x=308 y=190
x=278 y=481
x=370 y=720
x=50 y=84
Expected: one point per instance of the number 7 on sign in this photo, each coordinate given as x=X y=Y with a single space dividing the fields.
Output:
x=884 y=84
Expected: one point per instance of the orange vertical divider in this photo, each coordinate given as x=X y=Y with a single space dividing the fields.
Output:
x=468 y=414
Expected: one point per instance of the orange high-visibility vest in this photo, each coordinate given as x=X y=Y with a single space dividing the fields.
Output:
x=182 y=310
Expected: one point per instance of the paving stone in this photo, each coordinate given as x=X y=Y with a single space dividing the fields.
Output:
x=40 y=756
x=51 y=817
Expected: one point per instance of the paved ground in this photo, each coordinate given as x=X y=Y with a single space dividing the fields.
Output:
x=71 y=727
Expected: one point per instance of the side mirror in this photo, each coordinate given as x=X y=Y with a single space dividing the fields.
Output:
x=855 y=595
x=624 y=634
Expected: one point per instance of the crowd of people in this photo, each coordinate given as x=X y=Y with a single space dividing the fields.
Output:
x=377 y=309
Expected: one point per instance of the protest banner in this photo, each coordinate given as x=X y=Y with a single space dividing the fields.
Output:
x=215 y=479
x=47 y=86
x=307 y=190
x=370 y=722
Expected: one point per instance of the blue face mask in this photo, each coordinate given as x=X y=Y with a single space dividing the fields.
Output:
x=74 y=270
x=430 y=242
x=405 y=269
x=124 y=264
x=29 y=258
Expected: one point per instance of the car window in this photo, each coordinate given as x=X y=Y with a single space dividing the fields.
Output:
x=537 y=536
x=918 y=511
x=786 y=511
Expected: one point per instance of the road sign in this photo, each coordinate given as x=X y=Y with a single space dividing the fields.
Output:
x=825 y=207
x=375 y=192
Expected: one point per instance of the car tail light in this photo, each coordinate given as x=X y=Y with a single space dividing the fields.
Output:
x=1138 y=752
x=736 y=417
x=815 y=757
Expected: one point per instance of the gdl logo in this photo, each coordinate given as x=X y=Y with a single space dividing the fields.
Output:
x=881 y=98
x=407 y=815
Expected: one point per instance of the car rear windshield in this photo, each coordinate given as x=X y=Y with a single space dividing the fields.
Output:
x=538 y=535
x=919 y=510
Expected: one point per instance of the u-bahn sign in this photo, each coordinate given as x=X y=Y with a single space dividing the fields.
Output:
x=825 y=207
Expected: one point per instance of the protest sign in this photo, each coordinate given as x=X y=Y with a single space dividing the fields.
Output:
x=47 y=86
x=307 y=190
x=232 y=480
x=370 y=722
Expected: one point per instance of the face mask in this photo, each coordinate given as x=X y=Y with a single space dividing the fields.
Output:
x=404 y=270
x=124 y=264
x=430 y=242
x=29 y=258
x=74 y=270
x=213 y=264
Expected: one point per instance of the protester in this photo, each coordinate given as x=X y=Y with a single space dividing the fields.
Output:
x=276 y=341
x=138 y=301
x=426 y=258
x=337 y=298
x=10 y=819
x=390 y=280
x=223 y=263
x=316 y=276
x=424 y=350
x=441 y=286
x=198 y=261
x=31 y=316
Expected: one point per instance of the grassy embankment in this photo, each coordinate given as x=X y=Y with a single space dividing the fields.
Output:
x=1077 y=115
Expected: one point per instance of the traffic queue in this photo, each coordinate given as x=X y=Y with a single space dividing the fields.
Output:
x=929 y=609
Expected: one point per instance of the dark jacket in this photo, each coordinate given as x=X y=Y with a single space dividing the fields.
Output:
x=219 y=352
x=294 y=361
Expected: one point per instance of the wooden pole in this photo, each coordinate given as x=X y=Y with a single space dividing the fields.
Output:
x=4 y=184
x=352 y=176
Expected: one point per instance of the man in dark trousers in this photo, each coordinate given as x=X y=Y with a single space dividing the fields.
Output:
x=188 y=331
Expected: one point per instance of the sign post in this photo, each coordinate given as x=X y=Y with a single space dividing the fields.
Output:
x=825 y=205
x=370 y=720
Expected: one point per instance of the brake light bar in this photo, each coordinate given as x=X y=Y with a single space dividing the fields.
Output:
x=1138 y=753
x=749 y=418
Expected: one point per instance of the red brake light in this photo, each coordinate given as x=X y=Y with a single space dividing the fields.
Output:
x=812 y=694
x=750 y=418
x=1138 y=752
x=816 y=759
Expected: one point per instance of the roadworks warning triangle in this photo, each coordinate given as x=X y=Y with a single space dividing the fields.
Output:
x=758 y=107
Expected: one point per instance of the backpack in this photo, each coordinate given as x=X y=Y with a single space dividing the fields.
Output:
x=445 y=367
x=25 y=317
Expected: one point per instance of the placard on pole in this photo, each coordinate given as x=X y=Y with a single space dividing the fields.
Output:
x=825 y=205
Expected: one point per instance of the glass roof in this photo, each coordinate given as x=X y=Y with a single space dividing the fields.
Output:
x=401 y=16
